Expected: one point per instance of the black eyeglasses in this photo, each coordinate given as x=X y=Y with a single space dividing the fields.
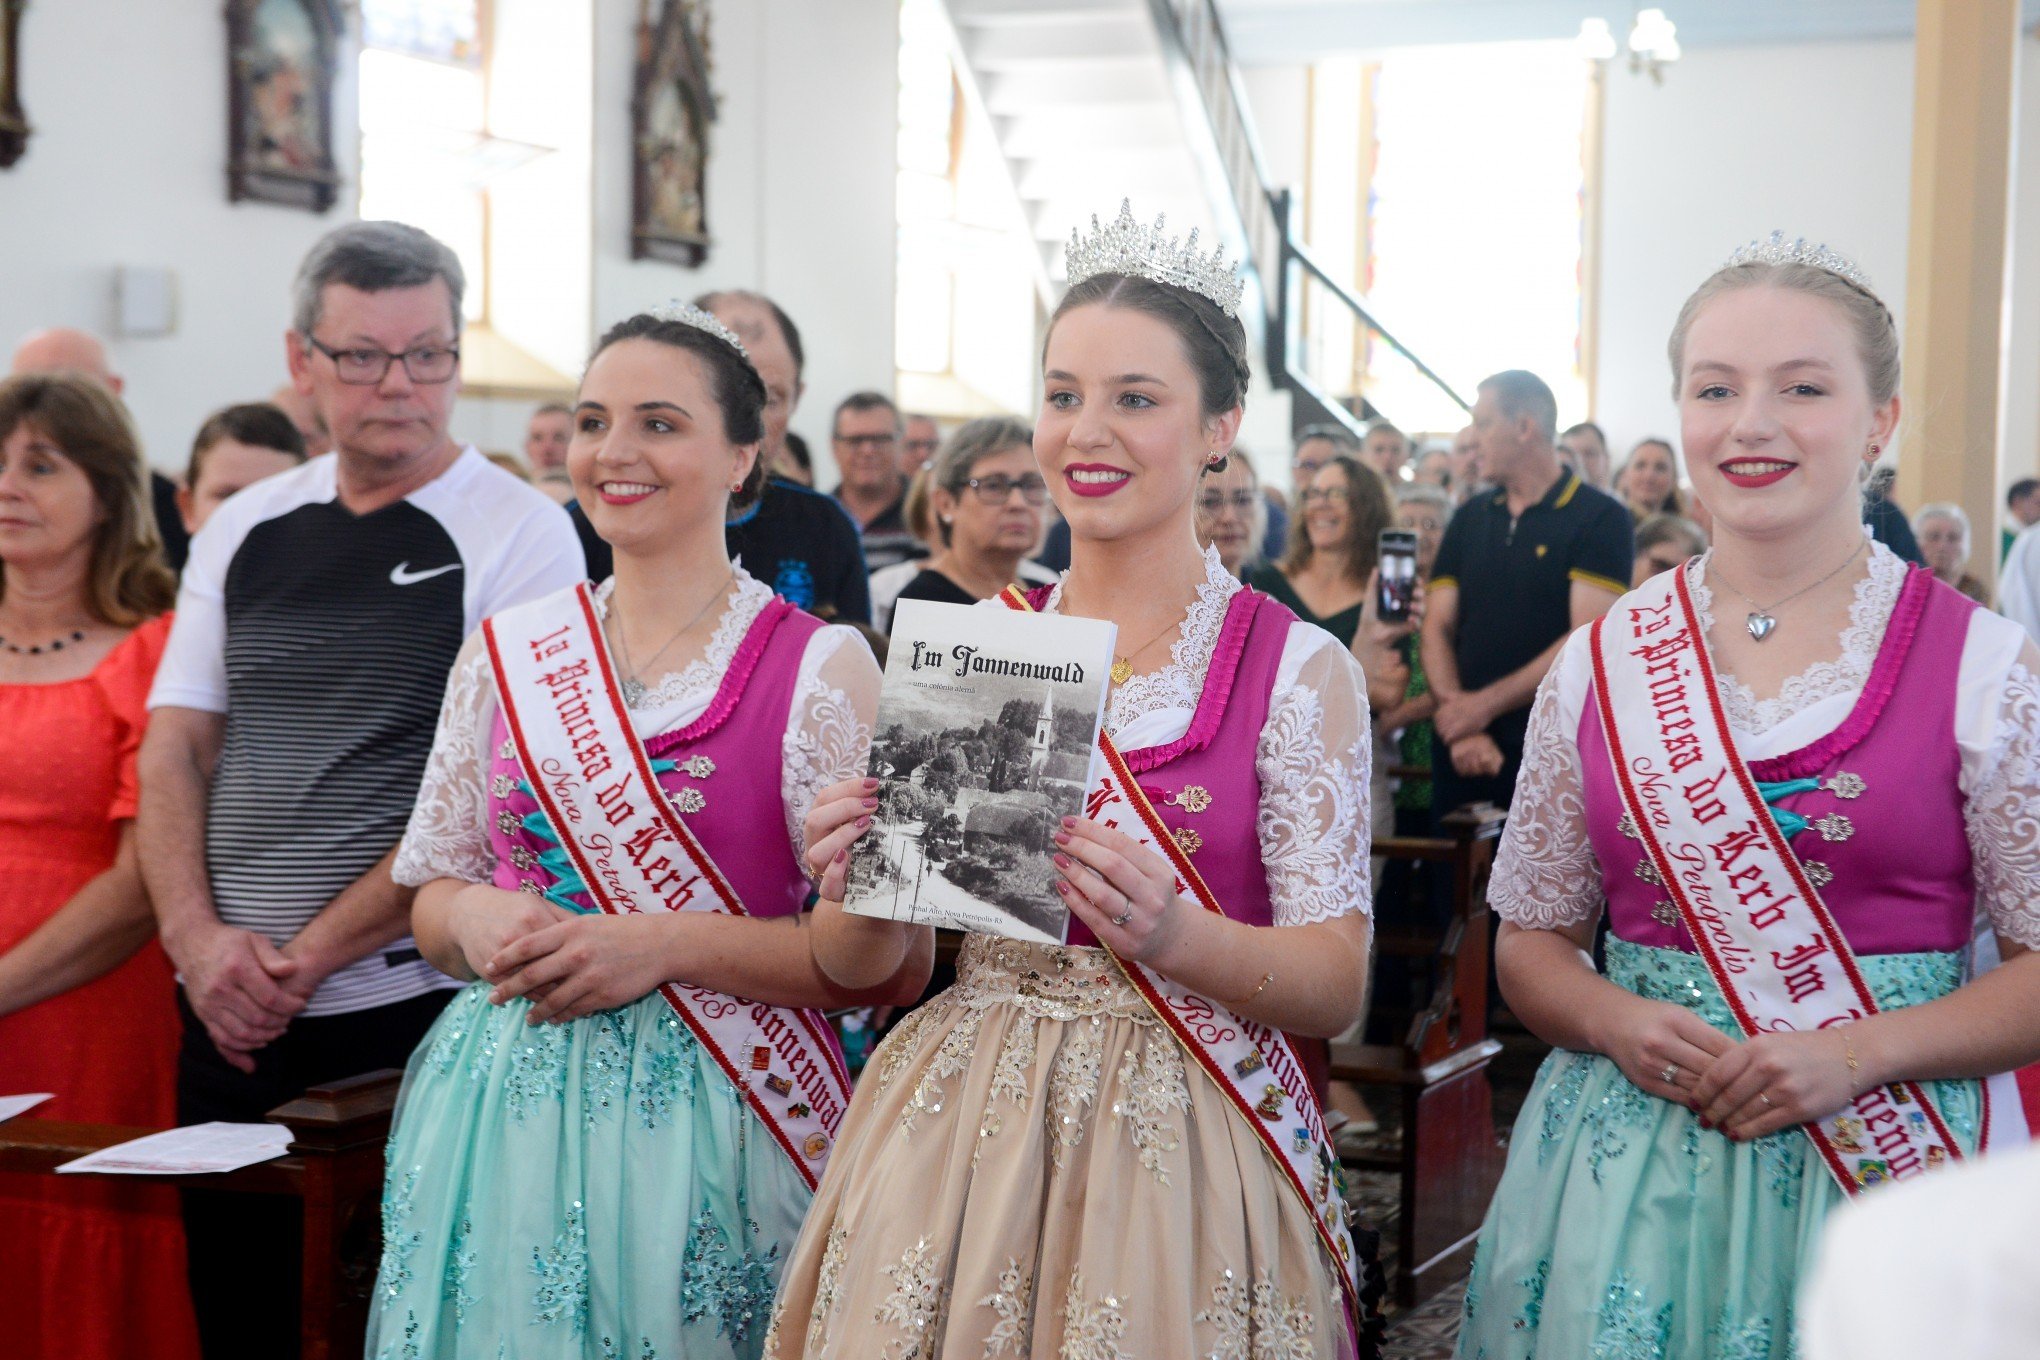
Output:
x=1211 y=502
x=995 y=490
x=874 y=442
x=367 y=367
x=1330 y=495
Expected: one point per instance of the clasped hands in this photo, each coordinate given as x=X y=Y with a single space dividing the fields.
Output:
x=567 y=964
x=1743 y=1088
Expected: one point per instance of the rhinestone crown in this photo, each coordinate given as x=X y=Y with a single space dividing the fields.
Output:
x=1127 y=247
x=1775 y=249
x=687 y=314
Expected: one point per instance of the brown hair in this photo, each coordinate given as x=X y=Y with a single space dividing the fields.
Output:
x=1675 y=501
x=1368 y=512
x=733 y=382
x=1216 y=344
x=256 y=423
x=128 y=581
x=1869 y=319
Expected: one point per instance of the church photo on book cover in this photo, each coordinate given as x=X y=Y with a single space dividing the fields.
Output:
x=976 y=772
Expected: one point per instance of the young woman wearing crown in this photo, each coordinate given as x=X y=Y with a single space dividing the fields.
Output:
x=1108 y=1149
x=1795 y=772
x=600 y=1149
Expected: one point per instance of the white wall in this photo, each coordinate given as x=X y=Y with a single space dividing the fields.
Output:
x=800 y=188
x=1813 y=139
x=2019 y=415
x=127 y=165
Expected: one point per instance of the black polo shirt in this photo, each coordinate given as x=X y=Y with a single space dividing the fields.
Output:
x=1515 y=576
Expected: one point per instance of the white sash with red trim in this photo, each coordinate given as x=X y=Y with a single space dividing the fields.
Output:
x=582 y=755
x=1250 y=1062
x=1761 y=928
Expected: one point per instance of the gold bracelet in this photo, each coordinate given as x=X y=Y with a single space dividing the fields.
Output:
x=1266 y=978
x=1855 y=1068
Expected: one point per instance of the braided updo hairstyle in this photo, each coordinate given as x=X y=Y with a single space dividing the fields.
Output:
x=738 y=390
x=1215 y=343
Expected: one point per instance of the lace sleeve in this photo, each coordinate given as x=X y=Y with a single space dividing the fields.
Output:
x=2002 y=814
x=449 y=832
x=1545 y=875
x=1314 y=758
x=828 y=727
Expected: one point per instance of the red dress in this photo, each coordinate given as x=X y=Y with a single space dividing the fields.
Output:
x=89 y=1267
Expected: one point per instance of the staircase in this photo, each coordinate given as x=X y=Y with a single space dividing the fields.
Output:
x=1094 y=100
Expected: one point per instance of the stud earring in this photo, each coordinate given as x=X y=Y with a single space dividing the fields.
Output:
x=1876 y=449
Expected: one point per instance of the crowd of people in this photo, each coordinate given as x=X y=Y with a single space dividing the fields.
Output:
x=289 y=831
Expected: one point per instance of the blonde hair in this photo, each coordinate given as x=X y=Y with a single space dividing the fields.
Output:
x=1869 y=319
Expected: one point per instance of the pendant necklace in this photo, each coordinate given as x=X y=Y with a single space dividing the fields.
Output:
x=634 y=690
x=1762 y=618
x=1122 y=665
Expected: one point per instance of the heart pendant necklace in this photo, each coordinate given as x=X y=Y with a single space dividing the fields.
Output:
x=1122 y=665
x=1761 y=620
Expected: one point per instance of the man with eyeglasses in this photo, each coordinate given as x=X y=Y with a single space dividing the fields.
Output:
x=865 y=437
x=292 y=715
x=918 y=444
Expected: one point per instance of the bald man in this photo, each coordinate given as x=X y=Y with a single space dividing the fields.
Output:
x=68 y=349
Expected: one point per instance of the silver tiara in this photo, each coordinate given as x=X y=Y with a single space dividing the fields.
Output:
x=1775 y=249
x=1127 y=247
x=687 y=314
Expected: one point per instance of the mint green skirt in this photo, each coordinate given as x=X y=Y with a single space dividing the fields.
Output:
x=589 y=1191
x=1624 y=1231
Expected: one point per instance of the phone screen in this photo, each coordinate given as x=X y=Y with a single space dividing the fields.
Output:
x=1398 y=575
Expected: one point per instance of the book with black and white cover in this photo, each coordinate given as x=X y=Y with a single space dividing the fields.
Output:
x=986 y=737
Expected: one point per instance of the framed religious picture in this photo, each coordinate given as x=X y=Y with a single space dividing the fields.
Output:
x=282 y=55
x=670 y=113
x=14 y=127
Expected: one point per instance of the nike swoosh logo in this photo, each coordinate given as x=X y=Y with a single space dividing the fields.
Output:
x=402 y=575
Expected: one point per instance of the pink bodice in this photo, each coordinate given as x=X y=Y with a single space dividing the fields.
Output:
x=721 y=771
x=1211 y=767
x=1895 y=856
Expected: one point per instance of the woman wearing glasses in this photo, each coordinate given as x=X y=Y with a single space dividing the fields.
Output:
x=1323 y=577
x=1232 y=514
x=988 y=497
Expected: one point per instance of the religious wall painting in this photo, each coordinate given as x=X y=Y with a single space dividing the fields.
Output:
x=282 y=57
x=14 y=127
x=671 y=110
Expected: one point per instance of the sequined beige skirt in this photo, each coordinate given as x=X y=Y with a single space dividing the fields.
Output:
x=1032 y=1168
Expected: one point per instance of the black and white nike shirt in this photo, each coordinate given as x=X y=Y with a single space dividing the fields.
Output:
x=325 y=638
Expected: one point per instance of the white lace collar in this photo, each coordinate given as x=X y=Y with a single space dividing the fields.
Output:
x=1178 y=684
x=705 y=672
x=1870 y=613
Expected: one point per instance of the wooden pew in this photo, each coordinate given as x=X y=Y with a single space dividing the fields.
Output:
x=334 y=1165
x=1450 y=1159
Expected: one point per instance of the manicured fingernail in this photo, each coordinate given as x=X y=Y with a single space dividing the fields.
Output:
x=842 y=855
x=1061 y=838
x=1062 y=888
x=1062 y=861
x=871 y=802
x=871 y=783
x=863 y=822
x=1069 y=822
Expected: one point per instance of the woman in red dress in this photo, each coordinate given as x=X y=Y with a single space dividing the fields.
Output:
x=89 y=1267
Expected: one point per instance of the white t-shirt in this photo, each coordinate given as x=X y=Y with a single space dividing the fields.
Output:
x=325 y=638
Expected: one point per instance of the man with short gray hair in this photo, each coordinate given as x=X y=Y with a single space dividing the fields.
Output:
x=1524 y=561
x=291 y=717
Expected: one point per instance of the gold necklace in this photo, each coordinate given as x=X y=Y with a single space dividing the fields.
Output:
x=1122 y=665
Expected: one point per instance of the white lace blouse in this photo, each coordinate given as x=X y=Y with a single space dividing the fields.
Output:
x=1546 y=875
x=1314 y=755
x=828 y=735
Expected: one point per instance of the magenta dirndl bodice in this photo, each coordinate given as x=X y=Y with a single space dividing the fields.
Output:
x=1885 y=840
x=722 y=772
